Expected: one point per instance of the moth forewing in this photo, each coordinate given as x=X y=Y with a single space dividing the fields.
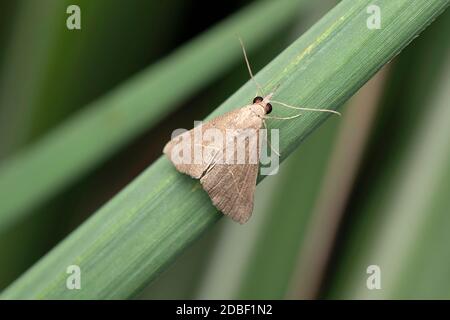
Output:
x=229 y=158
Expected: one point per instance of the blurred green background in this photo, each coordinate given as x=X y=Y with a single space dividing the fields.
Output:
x=369 y=188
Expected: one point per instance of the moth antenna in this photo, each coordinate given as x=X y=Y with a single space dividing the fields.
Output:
x=283 y=118
x=249 y=67
x=305 y=109
x=267 y=140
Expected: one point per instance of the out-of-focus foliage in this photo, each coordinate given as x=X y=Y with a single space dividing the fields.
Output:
x=398 y=215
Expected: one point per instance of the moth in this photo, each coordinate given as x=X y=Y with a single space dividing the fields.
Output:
x=230 y=185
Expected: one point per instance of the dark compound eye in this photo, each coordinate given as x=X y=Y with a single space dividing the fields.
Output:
x=257 y=99
x=268 y=108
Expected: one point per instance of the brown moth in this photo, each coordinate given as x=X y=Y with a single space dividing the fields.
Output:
x=231 y=186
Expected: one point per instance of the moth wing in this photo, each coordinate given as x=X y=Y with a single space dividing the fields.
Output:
x=232 y=188
x=195 y=170
x=237 y=119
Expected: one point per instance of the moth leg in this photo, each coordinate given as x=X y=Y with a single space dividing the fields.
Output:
x=267 y=140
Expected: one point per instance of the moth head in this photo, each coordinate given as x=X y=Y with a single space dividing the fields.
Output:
x=267 y=106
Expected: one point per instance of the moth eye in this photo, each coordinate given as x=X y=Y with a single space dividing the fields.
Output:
x=257 y=99
x=268 y=108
